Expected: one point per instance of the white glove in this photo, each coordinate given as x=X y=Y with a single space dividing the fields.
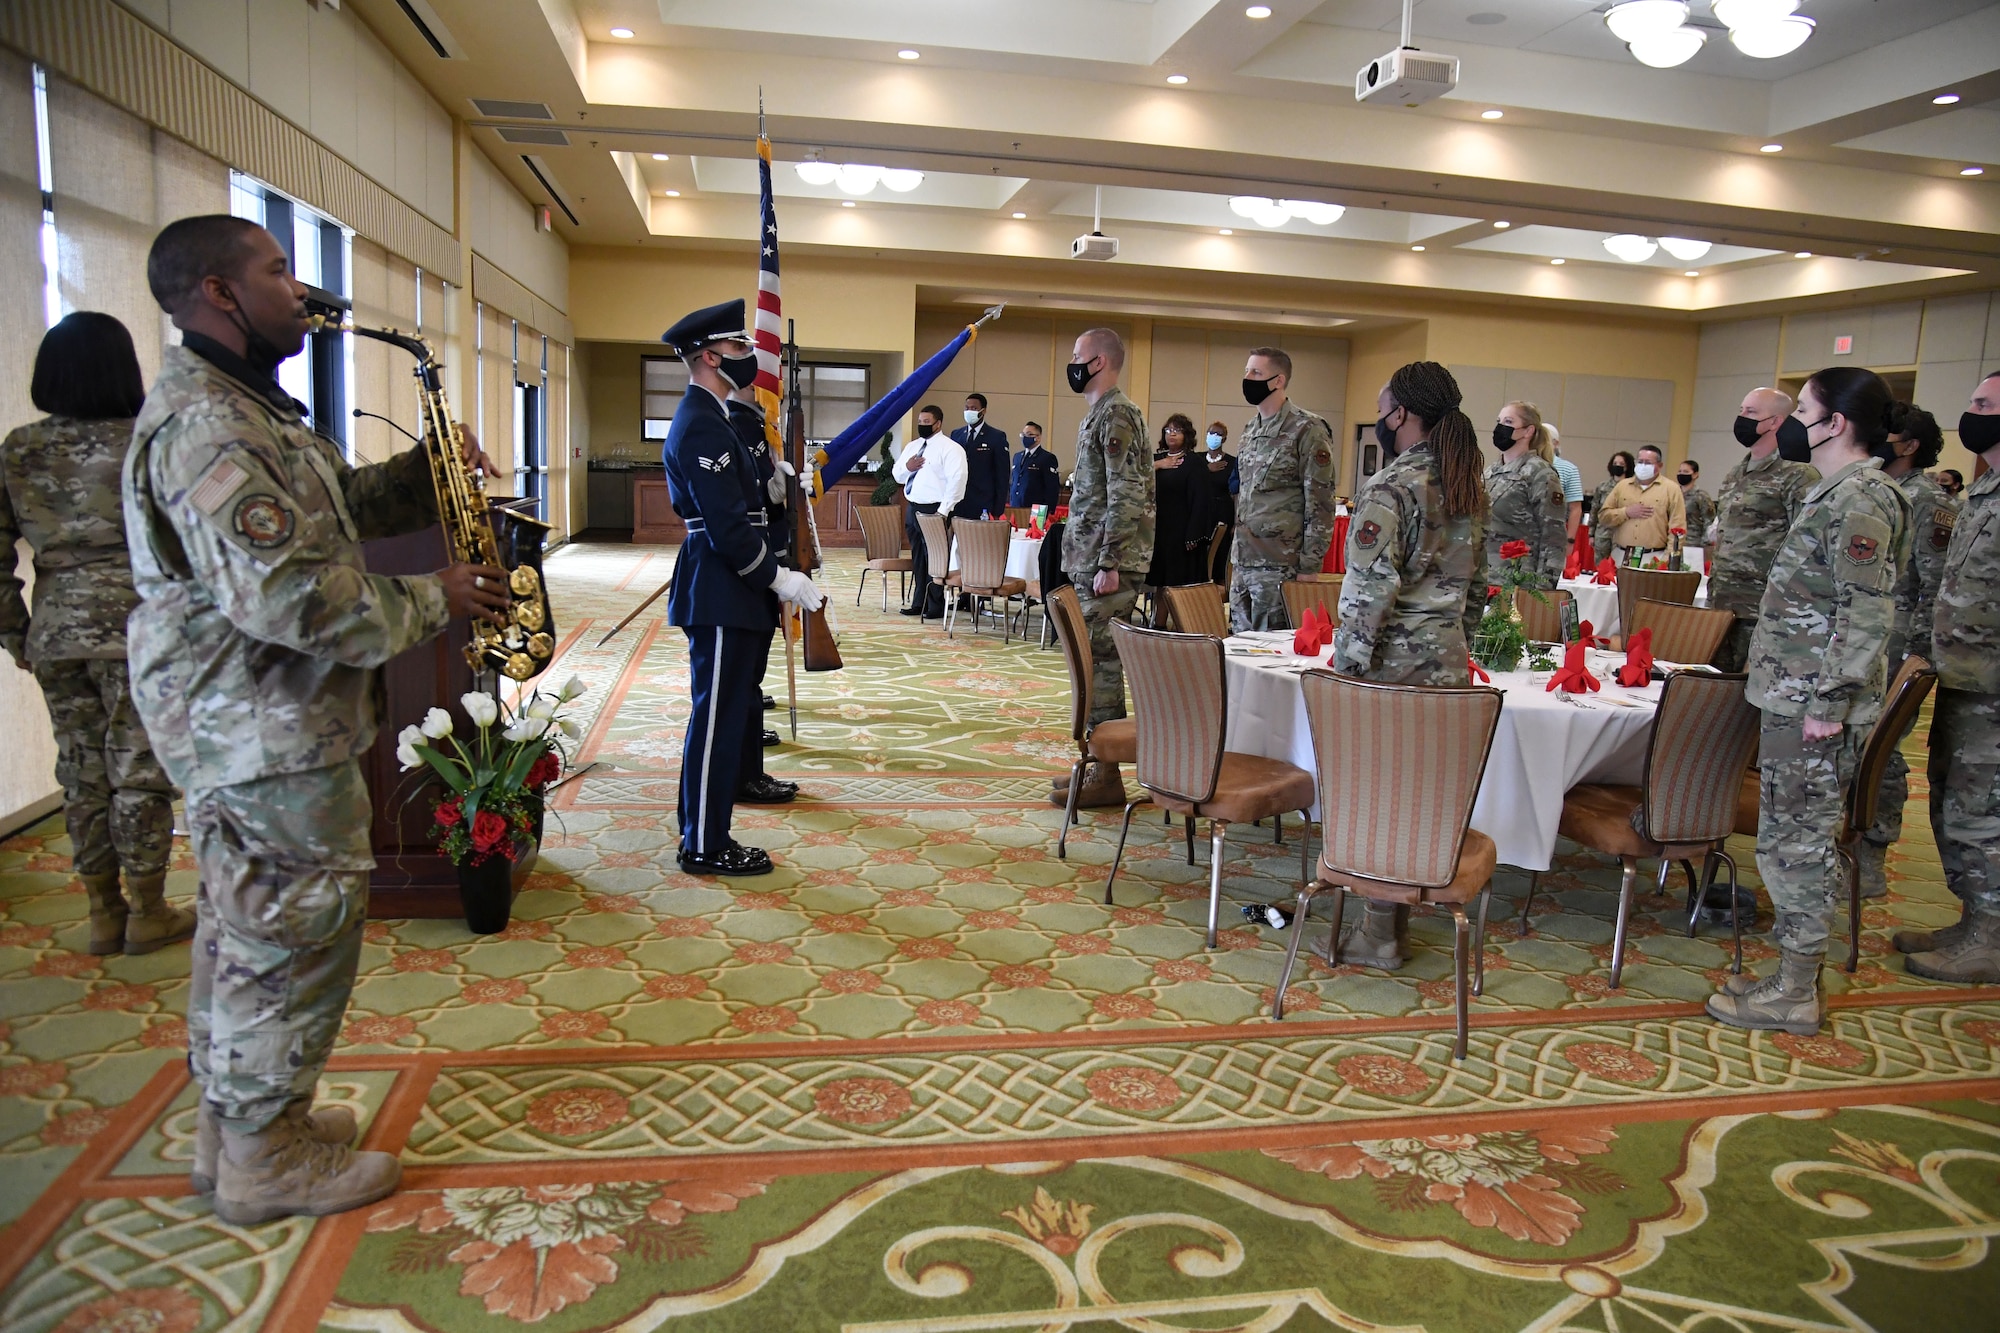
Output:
x=796 y=589
x=787 y=468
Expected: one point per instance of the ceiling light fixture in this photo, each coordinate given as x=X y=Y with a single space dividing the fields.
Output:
x=1630 y=248
x=1772 y=148
x=1692 y=273
x=1764 y=29
x=1277 y=212
x=1655 y=31
x=1502 y=226
x=673 y=194
x=1418 y=249
x=1683 y=249
x=1257 y=12
x=1558 y=262
x=847 y=203
x=856 y=177
x=1945 y=99
x=622 y=34
x=659 y=157
x=1019 y=216
x=1972 y=171
x=1803 y=254
x=1492 y=113
x=1228 y=231
x=1177 y=79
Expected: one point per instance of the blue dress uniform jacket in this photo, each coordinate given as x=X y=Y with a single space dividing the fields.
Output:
x=749 y=425
x=986 y=473
x=1037 y=478
x=726 y=568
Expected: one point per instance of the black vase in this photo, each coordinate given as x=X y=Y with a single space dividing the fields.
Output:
x=486 y=894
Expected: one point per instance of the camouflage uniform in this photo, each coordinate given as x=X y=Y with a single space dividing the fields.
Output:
x=1600 y=535
x=1416 y=580
x=59 y=490
x=1965 y=728
x=1284 y=512
x=1110 y=527
x=1819 y=652
x=254 y=655
x=1700 y=513
x=1760 y=498
x=1527 y=505
x=1932 y=514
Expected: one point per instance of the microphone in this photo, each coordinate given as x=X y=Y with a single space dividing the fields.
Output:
x=392 y=425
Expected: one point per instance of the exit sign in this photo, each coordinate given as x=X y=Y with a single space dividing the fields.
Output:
x=1844 y=345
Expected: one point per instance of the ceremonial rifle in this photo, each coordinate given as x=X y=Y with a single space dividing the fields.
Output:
x=822 y=654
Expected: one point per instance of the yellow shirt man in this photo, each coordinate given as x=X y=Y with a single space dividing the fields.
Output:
x=1643 y=508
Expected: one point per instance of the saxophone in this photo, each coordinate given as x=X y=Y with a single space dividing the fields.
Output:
x=476 y=532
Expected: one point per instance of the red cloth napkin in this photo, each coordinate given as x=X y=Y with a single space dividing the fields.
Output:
x=1305 y=639
x=1325 y=628
x=1638 y=668
x=1607 y=572
x=1580 y=549
x=1574 y=676
x=1574 y=565
x=1478 y=671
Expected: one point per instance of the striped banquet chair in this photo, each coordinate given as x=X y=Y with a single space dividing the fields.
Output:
x=1198 y=608
x=1113 y=741
x=882 y=548
x=1541 y=617
x=1689 y=635
x=1321 y=592
x=1653 y=585
x=1399 y=769
x=1704 y=733
x=1181 y=696
x=937 y=556
x=982 y=573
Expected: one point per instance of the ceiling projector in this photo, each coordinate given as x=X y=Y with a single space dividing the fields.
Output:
x=1094 y=246
x=1406 y=76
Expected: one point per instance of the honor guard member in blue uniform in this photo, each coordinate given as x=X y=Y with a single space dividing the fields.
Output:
x=1037 y=474
x=986 y=462
x=753 y=785
x=727 y=584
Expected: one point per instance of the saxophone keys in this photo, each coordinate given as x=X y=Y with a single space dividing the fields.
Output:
x=525 y=582
x=520 y=666
x=541 y=645
x=528 y=615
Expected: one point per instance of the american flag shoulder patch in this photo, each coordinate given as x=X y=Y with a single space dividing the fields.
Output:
x=222 y=481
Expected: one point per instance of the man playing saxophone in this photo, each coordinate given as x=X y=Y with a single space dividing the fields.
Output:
x=254 y=653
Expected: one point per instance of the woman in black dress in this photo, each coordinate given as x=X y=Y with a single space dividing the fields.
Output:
x=1215 y=499
x=1175 y=485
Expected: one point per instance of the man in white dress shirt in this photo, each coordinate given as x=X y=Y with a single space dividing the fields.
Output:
x=932 y=470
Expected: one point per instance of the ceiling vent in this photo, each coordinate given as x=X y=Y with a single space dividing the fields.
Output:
x=505 y=110
x=431 y=28
x=534 y=134
x=547 y=178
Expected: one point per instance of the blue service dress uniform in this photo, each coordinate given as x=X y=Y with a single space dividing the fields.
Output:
x=1037 y=479
x=722 y=599
x=985 y=471
x=748 y=423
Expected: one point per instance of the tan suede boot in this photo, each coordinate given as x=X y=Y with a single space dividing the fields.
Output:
x=328 y=1124
x=1786 y=1001
x=1972 y=959
x=1926 y=941
x=153 y=924
x=1102 y=786
x=108 y=913
x=1874 y=863
x=281 y=1171
x=1379 y=938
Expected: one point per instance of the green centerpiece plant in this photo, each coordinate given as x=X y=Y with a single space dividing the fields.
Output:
x=1500 y=641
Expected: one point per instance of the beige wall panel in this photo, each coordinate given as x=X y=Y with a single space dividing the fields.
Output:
x=1007 y=412
x=1893 y=334
x=412 y=161
x=278 y=37
x=1234 y=415
x=159 y=13
x=1718 y=398
x=374 y=108
x=1319 y=375
x=1740 y=347
x=1180 y=363
x=1589 y=407
x=1483 y=390
x=103 y=176
x=440 y=175
x=496 y=393
x=1539 y=387
x=216 y=30
x=561 y=473
x=935 y=328
x=502 y=230
x=1954 y=328
x=1013 y=358
x=186 y=181
x=1228 y=350
x=1992 y=355
x=1646 y=410
x=1944 y=387
x=1590 y=454
x=1156 y=421
x=333 y=38
x=611 y=390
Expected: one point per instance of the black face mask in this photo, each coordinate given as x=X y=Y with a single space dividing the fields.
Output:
x=1029 y=441
x=740 y=370
x=1794 y=445
x=1978 y=433
x=1079 y=375
x=1384 y=436
x=1746 y=430
x=1686 y=480
x=262 y=354
x=1617 y=472
x=925 y=432
x=1255 y=391
x=1503 y=436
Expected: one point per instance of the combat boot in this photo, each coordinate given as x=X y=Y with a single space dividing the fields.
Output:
x=1102 y=786
x=1925 y=941
x=1972 y=959
x=281 y=1171
x=1378 y=939
x=1874 y=863
x=108 y=913
x=1786 y=1001
x=328 y=1124
x=153 y=924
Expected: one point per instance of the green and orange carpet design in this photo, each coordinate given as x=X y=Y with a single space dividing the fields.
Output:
x=924 y=1078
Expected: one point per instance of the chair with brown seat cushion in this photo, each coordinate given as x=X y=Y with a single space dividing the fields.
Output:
x=1020 y=516
x=1399 y=769
x=1906 y=695
x=1653 y=585
x=937 y=555
x=1314 y=593
x=1181 y=697
x=982 y=572
x=1703 y=735
x=1689 y=635
x=1198 y=608
x=882 y=548
x=1215 y=541
x=1541 y=617
x=1114 y=741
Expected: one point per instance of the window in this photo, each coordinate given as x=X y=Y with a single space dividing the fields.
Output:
x=321 y=253
x=833 y=397
x=662 y=382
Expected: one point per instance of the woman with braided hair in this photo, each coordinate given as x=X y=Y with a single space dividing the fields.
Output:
x=1416 y=574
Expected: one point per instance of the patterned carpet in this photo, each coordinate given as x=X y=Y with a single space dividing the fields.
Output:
x=923 y=1078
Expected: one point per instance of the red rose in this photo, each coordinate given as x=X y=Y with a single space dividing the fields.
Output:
x=449 y=812
x=487 y=830
x=1513 y=550
x=1492 y=591
x=544 y=770
x=1678 y=532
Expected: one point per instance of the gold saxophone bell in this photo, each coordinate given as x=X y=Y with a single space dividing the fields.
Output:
x=524 y=582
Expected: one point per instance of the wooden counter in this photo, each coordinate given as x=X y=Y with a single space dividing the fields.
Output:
x=655 y=522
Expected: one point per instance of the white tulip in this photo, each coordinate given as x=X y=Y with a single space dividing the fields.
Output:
x=543 y=707
x=573 y=689
x=480 y=708
x=570 y=729
x=437 y=724
x=526 y=728
x=409 y=735
x=408 y=757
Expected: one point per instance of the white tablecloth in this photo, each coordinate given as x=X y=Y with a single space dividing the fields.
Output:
x=1542 y=747
x=1599 y=604
x=1024 y=556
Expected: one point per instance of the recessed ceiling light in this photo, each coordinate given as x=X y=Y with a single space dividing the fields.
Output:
x=1945 y=99
x=1257 y=12
x=1493 y=114
x=1558 y=262
x=1502 y=226
x=1019 y=216
x=1772 y=148
x=659 y=157
x=1228 y=231
x=1692 y=273
x=847 y=203
x=621 y=33
x=1972 y=171
x=1418 y=248
x=1176 y=79
x=673 y=194
x=1803 y=254
x=907 y=54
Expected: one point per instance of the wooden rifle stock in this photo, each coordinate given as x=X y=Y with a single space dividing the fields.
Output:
x=821 y=653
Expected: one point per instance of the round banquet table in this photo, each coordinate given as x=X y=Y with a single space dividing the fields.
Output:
x=1024 y=557
x=1542 y=747
x=1599 y=604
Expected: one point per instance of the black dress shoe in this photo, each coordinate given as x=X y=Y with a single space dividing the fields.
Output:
x=771 y=738
x=769 y=703
x=767 y=790
x=911 y=611
x=735 y=859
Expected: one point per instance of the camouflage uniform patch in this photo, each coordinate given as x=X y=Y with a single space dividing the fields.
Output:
x=1284 y=512
x=1701 y=512
x=1759 y=499
x=1526 y=503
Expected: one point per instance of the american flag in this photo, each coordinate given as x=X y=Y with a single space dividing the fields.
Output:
x=770 y=303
